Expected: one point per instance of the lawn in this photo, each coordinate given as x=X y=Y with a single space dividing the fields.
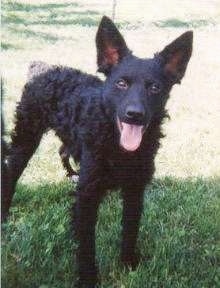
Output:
x=179 y=233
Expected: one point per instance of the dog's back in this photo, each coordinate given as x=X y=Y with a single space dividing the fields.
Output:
x=36 y=68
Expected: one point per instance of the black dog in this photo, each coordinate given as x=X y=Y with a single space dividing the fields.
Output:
x=112 y=128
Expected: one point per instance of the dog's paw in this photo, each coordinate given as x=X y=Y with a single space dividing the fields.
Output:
x=131 y=260
x=79 y=284
x=74 y=178
x=88 y=276
x=87 y=283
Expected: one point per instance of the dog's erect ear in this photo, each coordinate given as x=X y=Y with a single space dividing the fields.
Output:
x=176 y=56
x=111 y=46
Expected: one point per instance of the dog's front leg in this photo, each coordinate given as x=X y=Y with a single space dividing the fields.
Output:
x=87 y=202
x=132 y=208
x=87 y=214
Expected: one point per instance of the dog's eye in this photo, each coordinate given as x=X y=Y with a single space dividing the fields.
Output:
x=154 y=88
x=122 y=84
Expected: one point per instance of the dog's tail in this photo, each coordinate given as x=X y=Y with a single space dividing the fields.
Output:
x=36 y=68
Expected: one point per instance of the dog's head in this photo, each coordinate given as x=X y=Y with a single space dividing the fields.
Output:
x=136 y=89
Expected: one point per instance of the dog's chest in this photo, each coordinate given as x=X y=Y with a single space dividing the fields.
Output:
x=121 y=168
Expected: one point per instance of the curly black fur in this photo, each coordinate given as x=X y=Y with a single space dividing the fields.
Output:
x=88 y=115
x=36 y=68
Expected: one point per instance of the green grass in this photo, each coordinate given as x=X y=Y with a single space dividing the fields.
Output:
x=179 y=237
x=173 y=22
x=179 y=233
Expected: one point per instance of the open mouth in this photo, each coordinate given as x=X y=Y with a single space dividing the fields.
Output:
x=130 y=135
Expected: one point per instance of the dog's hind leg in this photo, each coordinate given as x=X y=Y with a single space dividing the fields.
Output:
x=65 y=156
x=25 y=139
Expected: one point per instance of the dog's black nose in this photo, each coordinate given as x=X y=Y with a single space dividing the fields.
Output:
x=134 y=112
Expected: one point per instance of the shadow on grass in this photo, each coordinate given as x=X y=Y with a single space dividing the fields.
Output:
x=53 y=19
x=178 y=236
x=25 y=32
x=176 y=23
x=18 y=18
x=18 y=6
x=82 y=21
x=61 y=191
x=43 y=225
x=8 y=46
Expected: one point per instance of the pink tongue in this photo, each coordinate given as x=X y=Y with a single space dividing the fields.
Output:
x=131 y=136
